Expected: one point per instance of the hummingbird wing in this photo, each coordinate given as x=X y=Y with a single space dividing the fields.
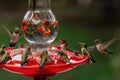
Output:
x=5 y=58
x=107 y=43
x=65 y=58
x=86 y=52
x=90 y=48
x=1 y=50
x=7 y=30
x=24 y=58
x=107 y=51
x=43 y=60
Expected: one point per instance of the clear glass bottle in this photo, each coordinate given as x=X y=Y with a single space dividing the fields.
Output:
x=39 y=24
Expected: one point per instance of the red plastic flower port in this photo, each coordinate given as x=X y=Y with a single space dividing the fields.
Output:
x=24 y=28
x=39 y=29
x=24 y=25
x=52 y=68
x=47 y=32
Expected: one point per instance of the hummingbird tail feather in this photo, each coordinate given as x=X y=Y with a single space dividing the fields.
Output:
x=42 y=64
x=23 y=63
x=92 y=60
x=111 y=53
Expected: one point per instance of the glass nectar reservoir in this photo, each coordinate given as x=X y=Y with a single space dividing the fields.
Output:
x=39 y=24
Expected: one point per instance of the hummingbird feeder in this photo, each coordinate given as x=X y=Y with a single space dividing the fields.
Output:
x=40 y=28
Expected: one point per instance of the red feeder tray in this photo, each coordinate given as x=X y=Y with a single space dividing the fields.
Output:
x=49 y=69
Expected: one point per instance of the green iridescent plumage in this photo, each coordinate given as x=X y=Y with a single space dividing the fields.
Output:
x=85 y=51
x=2 y=49
x=43 y=58
x=5 y=58
x=64 y=57
x=25 y=55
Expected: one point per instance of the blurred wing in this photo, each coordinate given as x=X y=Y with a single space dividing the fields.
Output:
x=7 y=30
x=106 y=44
x=43 y=60
x=90 y=48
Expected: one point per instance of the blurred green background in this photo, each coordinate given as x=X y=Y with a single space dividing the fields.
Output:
x=79 y=21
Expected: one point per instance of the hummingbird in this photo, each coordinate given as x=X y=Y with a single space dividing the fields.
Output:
x=64 y=57
x=102 y=47
x=2 y=49
x=25 y=55
x=64 y=45
x=85 y=52
x=43 y=58
x=14 y=35
x=5 y=58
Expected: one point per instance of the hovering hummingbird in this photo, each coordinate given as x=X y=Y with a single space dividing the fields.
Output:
x=102 y=47
x=64 y=45
x=43 y=58
x=85 y=51
x=5 y=58
x=64 y=57
x=15 y=35
x=25 y=55
x=2 y=49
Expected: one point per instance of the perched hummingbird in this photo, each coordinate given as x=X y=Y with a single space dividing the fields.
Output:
x=2 y=49
x=102 y=47
x=64 y=57
x=5 y=58
x=43 y=58
x=15 y=35
x=25 y=55
x=85 y=51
